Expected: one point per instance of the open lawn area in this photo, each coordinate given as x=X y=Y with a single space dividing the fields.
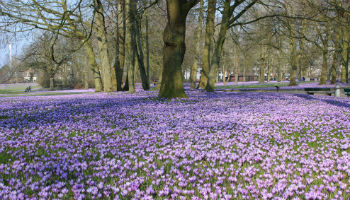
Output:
x=16 y=89
x=209 y=146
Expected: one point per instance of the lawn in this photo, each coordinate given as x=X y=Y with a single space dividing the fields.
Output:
x=15 y=89
x=209 y=146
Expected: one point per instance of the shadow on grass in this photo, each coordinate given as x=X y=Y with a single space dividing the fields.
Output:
x=329 y=101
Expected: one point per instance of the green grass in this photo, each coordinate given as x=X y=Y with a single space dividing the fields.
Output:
x=16 y=89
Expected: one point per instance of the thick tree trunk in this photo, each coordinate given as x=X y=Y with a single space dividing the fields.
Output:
x=209 y=32
x=174 y=49
x=93 y=66
x=293 y=63
x=107 y=71
x=194 y=68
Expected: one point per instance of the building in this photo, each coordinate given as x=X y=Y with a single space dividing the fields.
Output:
x=29 y=75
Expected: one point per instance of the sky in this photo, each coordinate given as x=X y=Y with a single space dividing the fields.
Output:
x=18 y=44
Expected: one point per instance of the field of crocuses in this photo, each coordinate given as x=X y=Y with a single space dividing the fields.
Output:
x=209 y=146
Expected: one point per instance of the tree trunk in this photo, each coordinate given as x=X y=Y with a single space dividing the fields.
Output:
x=236 y=64
x=93 y=66
x=262 y=66
x=86 y=79
x=147 y=51
x=174 y=49
x=219 y=47
x=262 y=71
x=209 y=32
x=323 y=80
x=117 y=62
x=122 y=47
x=334 y=68
x=244 y=74
x=223 y=74
x=52 y=85
x=279 y=73
x=107 y=72
x=269 y=66
x=194 y=68
x=302 y=64
x=159 y=81
x=129 y=53
x=293 y=64
x=126 y=85
x=139 y=54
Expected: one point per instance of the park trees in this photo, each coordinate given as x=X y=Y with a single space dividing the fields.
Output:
x=231 y=14
x=198 y=35
x=209 y=32
x=174 y=48
x=59 y=17
x=43 y=56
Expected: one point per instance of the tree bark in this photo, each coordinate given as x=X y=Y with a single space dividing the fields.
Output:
x=219 y=47
x=52 y=83
x=236 y=63
x=323 y=79
x=174 y=49
x=293 y=63
x=279 y=73
x=139 y=54
x=102 y=43
x=118 y=64
x=129 y=53
x=345 y=59
x=268 y=66
x=262 y=66
x=223 y=74
x=93 y=66
x=86 y=78
x=197 y=49
x=147 y=51
x=209 y=32
x=262 y=71
x=334 y=68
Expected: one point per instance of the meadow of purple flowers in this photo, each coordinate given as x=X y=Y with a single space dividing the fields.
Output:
x=209 y=146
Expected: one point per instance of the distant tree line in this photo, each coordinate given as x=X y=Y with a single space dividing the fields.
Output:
x=111 y=44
